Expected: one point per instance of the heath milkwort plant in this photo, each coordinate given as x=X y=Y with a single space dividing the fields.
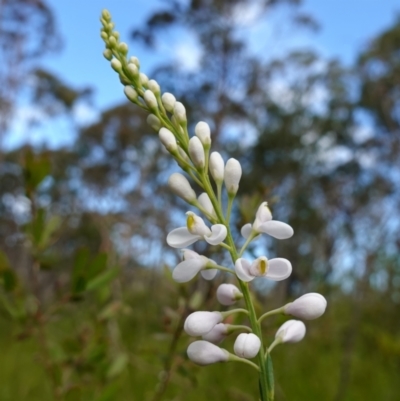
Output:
x=193 y=154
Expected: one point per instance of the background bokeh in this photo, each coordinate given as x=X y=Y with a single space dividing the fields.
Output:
x=306 y=94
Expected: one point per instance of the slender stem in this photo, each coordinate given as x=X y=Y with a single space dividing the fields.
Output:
x=225 y=246
x=222 y=268
x=233 y=327
x=235 y=358
x=273 y=345
x=229 y=209
x=232 y=311
x=270 y=313
x=249 y=239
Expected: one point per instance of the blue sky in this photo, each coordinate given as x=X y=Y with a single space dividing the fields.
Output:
x=346 y=27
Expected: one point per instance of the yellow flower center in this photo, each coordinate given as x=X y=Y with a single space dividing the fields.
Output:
x=263 y=266
x=190 y=222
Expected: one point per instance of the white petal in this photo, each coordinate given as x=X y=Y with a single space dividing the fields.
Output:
x=209 y=274
x=187 y=269
x=218 y=234
x=181 y=237
x=278 y=269
x=189 y=254
x=205 y=353
x=276 y=229
x=242 y=270
x=246 y=230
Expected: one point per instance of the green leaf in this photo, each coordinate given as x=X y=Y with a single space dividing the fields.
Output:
x=4 y=262
x=270 y=377
x=10 y=280
x=102 y=279
x=50 y=227
x=117 y=366
x=97 y=265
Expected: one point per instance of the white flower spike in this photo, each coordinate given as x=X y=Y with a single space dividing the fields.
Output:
x=263 y=223
x=309 y=306
x=200 y=323
x=274 y=269
x=191 y=265
x=228 y=294
x=205 y=353
x=196 y=230
x=247 y=345
x=291 y=331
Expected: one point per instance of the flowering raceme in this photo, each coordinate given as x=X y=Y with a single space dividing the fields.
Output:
x=209 y=172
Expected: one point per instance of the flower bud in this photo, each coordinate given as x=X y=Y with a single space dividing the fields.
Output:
x=112 y=41
x=217 y=334
x=309 y=306
x=291 y=331
x=181 y=187
x=134 y=60
x=150 y=99
x=202 y=130
x=130 y=93
x=205 y=353
x=154 y=122
x=106 y=14
x=232 y=175
x=123 y=48
x=217 y=167
x=180 y=113
x=167 y=138
x=133 y=69
x=228 y=294
x=116 y=65
x=107 y=54
x=168 y=100
x=205 y=203
x=196 y=152
x=247 y=345
x=153 y=86
x=143 y=79
x=200 y=323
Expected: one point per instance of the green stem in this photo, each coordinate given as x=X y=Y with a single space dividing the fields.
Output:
x=270 y=313
x=235 y=358
x=222 y=268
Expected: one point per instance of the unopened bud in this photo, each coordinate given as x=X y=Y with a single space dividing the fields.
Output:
x=106 y=15
x=132 y=68
x=167 y=138
x=205 y=202
x=134 y=60
x=205 y=353
x=228 y=294
x=130 y=93
x=247 y=345
x=143 y=79
x=154 y=122
x=196 y=152
x=116 y=65
x=309 y=306
x=107 y=54
x=200 y=323
x=168 y=100
x=153 y=86
x=150 y=99
x=217 y=334
x=202 y=130
x=104 y=35
x=180 y=113
x=232 y=175
x=217 y=167
x=291 y=331
x=123 y=48
x=112 y=41
x=181 y=187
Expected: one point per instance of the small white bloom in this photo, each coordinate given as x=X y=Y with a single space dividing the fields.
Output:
x=291 y=331
x=153 y=86
x=263 y=223
x=309 y=306
x=217 y=334
x=180 y=112
x=167 y=138
x=232 y=175
x=195 y=230
x=150 y=99
x=200 y=323
x=228 y=294
x=202 y=130
x=196 y=152
x=274 y=269
x=130 y=93
x=247 y=345
x=217 y=167
x=205 y=353
x=181 y=187
x=154 y=122
x=168 y=100
x=192 y=264
x=205 y=202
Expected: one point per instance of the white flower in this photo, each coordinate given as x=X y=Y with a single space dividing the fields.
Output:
x=205 y=202
x=200 y=323
x=167 y=138
x=217 y=334
x=274 y=269
x=133 y=69
x=168 y=100
x=181 y=187
x=217 y=167
x=291 y=331
x=153 y=86
x=202 y=130
x=309 y=306
x=205 y=353
x=193 y=263
x=154 y=122
x=228 y=294
x=263 y=223
x=180 y=112
x=195 y=230
x=130 y=93
x=196 y=152
x=143 y=79
x=247 y=345
x=232 y=175
x=150 y=99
